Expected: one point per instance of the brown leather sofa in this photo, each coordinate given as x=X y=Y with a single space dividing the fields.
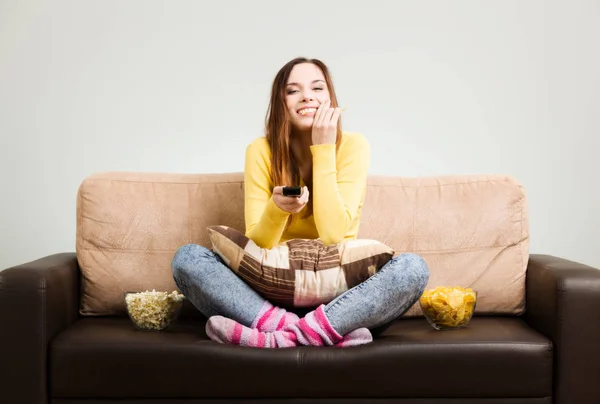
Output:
x=50 y=353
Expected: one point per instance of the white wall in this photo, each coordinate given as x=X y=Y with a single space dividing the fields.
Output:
x=439 y=87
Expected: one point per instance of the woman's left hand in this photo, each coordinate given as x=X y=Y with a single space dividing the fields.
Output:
x=324 y=128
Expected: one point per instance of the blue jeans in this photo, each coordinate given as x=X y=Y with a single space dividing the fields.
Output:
x=214 y=289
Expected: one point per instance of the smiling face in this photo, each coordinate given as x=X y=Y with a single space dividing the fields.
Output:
x=305 y=90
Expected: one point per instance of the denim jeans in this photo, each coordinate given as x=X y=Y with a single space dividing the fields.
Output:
x=214 y=289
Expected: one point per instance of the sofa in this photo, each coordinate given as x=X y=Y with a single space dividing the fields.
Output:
x=65 y=337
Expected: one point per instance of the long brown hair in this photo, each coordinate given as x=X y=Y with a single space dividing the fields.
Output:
x=278 y=129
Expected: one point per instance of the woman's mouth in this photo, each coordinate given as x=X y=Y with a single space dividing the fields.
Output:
x=307 y=111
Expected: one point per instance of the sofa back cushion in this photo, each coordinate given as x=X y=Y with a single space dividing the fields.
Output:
x=471 y=230
x=129 y=226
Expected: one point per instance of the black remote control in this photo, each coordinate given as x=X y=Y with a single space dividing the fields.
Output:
x=292 y=191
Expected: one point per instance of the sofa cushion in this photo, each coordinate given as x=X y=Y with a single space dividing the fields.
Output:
x=493 y=357
x=472 y=230
x=129 y=226
x=299 y=272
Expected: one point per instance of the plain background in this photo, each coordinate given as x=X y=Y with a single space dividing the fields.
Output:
x=438 y=87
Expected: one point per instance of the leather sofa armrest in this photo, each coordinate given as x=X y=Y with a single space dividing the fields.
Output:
x=563 y=303
x=37 y=300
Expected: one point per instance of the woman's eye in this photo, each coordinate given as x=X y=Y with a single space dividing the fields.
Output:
x=295 y=91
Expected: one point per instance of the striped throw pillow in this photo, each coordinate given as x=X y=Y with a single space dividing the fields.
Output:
x=299 y=272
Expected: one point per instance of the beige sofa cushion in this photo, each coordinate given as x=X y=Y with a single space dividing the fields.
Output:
x=472 y=231
x=129 y=225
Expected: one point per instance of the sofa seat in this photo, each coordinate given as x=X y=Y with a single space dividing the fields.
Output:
x=106 y=358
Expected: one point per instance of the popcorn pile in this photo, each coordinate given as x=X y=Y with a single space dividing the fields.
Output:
x=153 y=310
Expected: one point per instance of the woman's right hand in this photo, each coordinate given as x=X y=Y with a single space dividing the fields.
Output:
x=291 y=204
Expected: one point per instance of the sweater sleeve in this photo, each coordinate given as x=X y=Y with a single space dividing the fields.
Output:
x=265 y=221
x=338 y=186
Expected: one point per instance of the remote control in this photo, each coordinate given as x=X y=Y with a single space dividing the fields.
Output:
x=292 y=191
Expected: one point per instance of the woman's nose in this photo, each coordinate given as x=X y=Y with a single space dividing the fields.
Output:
x=308 y=95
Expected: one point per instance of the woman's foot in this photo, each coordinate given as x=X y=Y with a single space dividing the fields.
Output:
x=271 y=318
x=227 y=331
x=312 y=330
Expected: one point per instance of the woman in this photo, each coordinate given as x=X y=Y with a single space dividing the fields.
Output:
x=304 y=145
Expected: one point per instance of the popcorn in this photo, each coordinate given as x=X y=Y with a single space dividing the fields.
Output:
x=153 y=310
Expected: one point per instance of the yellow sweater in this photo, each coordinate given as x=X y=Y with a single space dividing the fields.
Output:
x=339 y=186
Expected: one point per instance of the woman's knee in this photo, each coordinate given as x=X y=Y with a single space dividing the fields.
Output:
x=413 y=268
x=186 y=256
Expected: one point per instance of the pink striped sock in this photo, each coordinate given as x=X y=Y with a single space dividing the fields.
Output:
x=314 y=330
x=360 y=336
x=227 y=331
x=271 y=318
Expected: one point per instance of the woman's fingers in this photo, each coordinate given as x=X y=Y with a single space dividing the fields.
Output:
x=328 y=118
x=304 y=198
x=335 y=116
x=319 y=115
x=291 y=204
